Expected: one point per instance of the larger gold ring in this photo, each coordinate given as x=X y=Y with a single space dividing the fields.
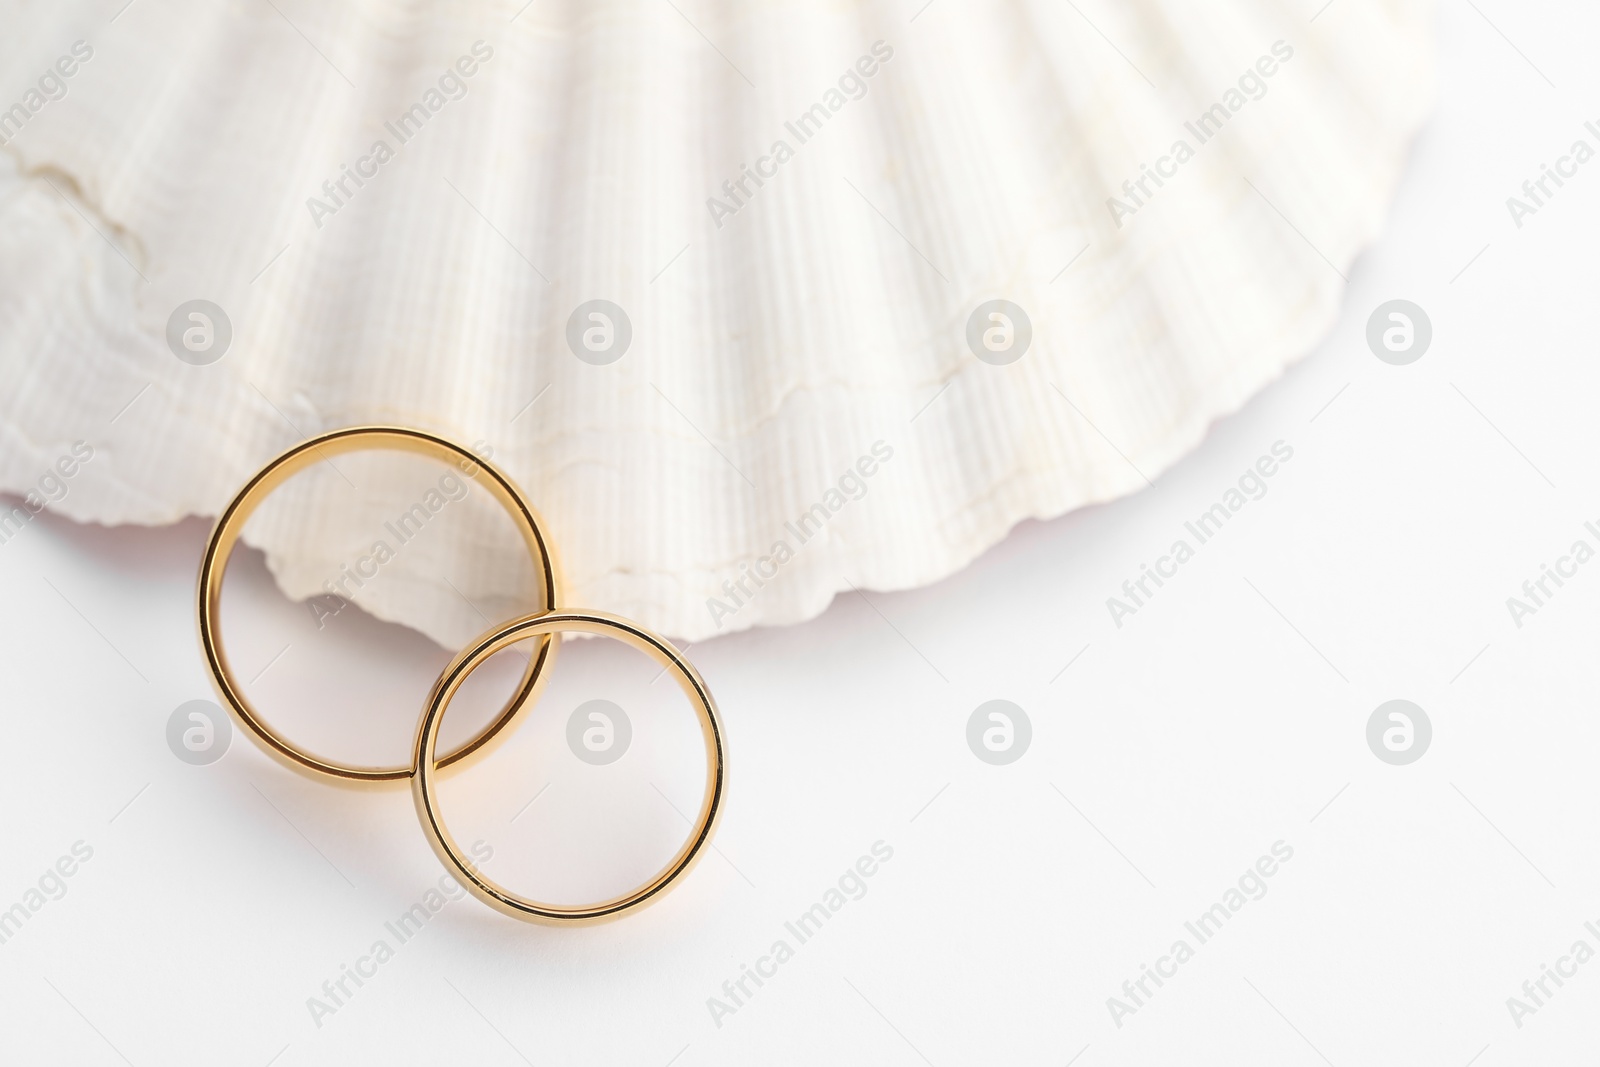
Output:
x=426 y=766
x=230 y=524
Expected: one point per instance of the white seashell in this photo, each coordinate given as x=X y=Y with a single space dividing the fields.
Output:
x=814 y=319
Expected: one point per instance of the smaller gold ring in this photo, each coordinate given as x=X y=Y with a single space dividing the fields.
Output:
x=214 y=565
x=425 y=766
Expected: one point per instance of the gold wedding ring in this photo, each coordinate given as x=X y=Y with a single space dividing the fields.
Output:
x=230 y=524
x=423 y=783
x=543 y=625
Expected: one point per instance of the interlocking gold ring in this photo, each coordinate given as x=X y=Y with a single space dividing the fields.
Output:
x=426 y=765
x=214 y=566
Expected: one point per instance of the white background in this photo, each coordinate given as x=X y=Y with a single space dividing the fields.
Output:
x=1167 y=755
